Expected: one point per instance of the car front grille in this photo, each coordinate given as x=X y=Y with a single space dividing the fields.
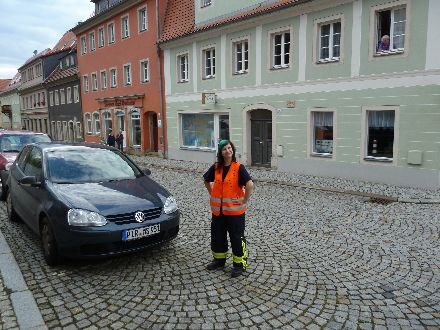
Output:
x=121 y=219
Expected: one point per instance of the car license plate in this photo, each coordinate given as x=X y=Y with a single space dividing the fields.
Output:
x=136 y=233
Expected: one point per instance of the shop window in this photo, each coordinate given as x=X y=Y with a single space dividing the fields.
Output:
x=135 y=129
x=203 y=130
x=380 y=134
x=322 y=128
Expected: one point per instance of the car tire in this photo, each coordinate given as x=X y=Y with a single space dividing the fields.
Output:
x=12 y=215
x=49 y=244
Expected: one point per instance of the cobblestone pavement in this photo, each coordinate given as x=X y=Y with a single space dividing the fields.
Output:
x=316 y=260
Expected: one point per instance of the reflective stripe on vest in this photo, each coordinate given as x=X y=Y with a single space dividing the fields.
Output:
x=223 y=193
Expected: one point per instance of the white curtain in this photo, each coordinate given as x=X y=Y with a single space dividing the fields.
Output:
x=378 y=119
x=323 y=118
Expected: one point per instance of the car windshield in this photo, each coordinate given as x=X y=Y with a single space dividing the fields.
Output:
x=85 y=164
x=16 y=142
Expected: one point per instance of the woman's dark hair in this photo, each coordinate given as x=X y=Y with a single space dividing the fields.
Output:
x=220 y=160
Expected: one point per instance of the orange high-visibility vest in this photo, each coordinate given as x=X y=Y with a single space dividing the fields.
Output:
x=223 y=192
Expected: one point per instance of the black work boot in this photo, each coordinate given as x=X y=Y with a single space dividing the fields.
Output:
x=237 y=271
x=216 y=263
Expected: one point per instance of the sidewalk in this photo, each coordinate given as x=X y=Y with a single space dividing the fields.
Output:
x=374 y=191
x=18 y=308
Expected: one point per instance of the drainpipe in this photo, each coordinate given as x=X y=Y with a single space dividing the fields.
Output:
x=162 y=136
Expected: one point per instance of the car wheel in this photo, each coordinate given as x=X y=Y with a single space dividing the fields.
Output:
x=50 y=250
x=12 y=215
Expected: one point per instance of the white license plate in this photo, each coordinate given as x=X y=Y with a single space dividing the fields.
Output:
x=136 y=233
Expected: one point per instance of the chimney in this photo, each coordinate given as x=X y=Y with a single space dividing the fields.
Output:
x=35 y=52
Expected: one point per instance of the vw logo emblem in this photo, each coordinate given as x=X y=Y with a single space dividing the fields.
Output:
x=139 y=216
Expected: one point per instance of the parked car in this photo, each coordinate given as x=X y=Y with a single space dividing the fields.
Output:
x=11 y=143
x=88 y=200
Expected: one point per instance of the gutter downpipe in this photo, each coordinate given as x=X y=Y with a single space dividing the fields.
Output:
x=162 y=136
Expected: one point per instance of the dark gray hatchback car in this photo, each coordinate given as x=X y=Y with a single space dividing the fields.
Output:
x=88 y=200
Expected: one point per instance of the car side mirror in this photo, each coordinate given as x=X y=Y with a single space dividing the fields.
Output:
x=146 y=171
x=30 y=181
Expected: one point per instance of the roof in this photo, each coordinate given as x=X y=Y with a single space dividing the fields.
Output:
x=37 y=56
x=4 y=83
x=66 y=43
x=180 y=23
x=59 y=74
x=13 y=83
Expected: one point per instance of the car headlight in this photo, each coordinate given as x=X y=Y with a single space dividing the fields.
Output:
x=170 y=205
x=78 y=217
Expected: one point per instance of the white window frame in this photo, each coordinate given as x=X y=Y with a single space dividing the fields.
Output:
x=216 y=130
x=86 y=83
x=83 y=45
x=51 y=102
x=111 y=33
x=364 y=158
x=76 y=94
x=273 y=34
x=128 y=78
x=144 y=78
x=62 y=96
x=96 y=119
x=375 y=38
x=125 y=28
x=103 y=77
x=57 y=97
x=211 y=52
x=94 y=78
x=317 y=39
x=142 y=21
x=68 y=95
x=101 y=37
x=311 y=133
x=183 y=74
x=92 y=41
x=244 y=41
x=113 y=82
x=88 y=122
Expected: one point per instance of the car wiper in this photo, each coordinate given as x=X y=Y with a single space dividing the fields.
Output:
x=65 y=182
x=11 y=150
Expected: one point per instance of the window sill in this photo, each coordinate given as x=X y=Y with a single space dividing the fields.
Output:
x=378 y=159
x=330 y=60
x=280 y=67
x=208 y=78
x=321 y=155
x=183 y=81
x=389 y=52
x=239 y=73
x=197 y=149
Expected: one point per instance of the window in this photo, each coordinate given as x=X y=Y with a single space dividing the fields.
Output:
x=127 y=74
x=88 y=121
x=43 y=98
x=83 y=45
x=135 y=129
x=92 y=41
x=94 y=82
x=111 y=33
x=145 y=75
x=33 y=164
x=75 y=94
x=281 y=50
x=96 y=123
x=322 y=132
x=24 y=76
x=107 y=123
x=86 y=83
x=57 y=98
x=142 y=19
x=182 y=64
x=329 y=41
x=125 y=27
x=203 y=130
x=38 y=70
x=103 y=79
x=51 y=103
x=69 y=95
x=380 y=134
x=390 y=34
x=209 y=63
x=62 y=96
x=241 y=57
x=113 y=78
x=101 y=37
x=205 y=3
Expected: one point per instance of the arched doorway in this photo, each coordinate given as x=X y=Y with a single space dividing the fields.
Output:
x=151 y=132
x=261 y=137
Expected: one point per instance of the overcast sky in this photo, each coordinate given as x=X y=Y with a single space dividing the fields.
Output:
x=28 y=25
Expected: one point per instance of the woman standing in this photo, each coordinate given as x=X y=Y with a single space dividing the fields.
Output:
x=230 y=191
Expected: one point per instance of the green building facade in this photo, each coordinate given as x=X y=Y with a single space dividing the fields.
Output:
x=311 y=87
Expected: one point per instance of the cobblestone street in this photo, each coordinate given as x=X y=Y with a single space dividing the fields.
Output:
x=316 y=260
